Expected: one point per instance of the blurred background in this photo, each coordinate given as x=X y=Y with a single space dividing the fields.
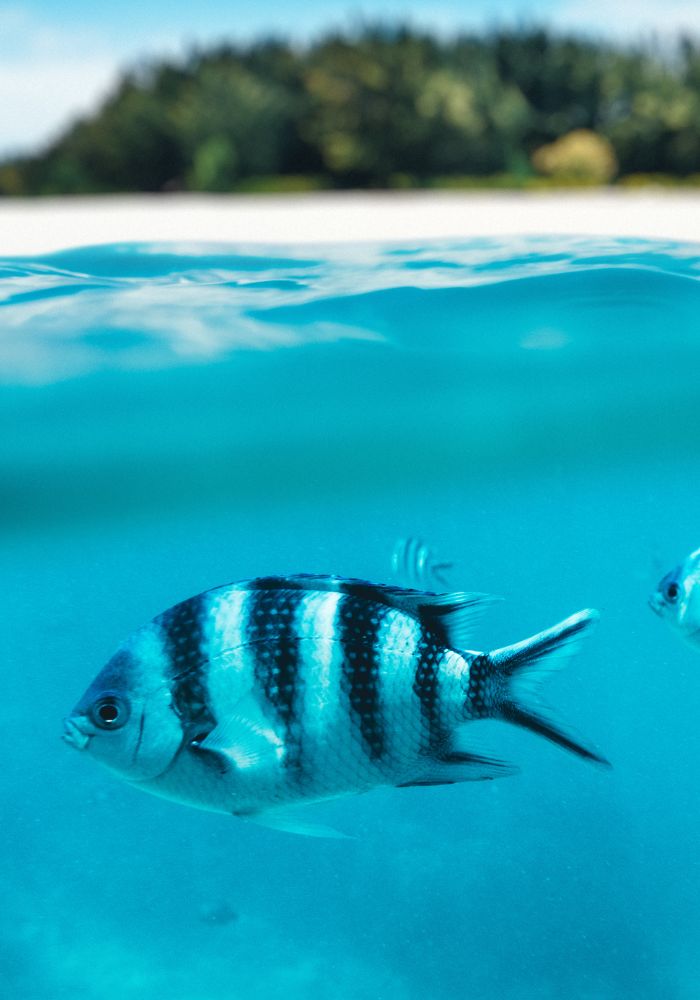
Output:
x=271 y=97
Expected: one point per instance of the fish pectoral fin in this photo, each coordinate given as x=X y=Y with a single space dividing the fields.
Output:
x=244 y=742
x=457 y=766
x=289 y=821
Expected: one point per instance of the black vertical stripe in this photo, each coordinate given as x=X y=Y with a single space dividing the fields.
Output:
x=273 y=632
x=183 y=633
x=359 y=625
x=426 y=685
x=480 y=672
x=142 y=722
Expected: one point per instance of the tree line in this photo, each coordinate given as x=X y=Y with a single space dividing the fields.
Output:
x=384 y=107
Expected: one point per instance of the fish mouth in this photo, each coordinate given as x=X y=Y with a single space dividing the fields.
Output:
x=656 y=605
x=74 y=735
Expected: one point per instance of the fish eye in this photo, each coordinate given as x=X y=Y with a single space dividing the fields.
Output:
x=109 y=712
x=671 y=591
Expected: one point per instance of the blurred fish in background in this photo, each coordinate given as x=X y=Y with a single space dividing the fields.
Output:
x=416 y=564
x=677 y=599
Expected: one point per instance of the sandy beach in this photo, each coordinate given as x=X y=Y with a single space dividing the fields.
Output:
x=33 y=226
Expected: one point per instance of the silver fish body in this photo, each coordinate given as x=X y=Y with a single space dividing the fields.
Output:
x=281 y=691
x=677 y=599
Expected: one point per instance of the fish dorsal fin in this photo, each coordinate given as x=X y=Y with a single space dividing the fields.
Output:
x=449 y=617
x=244 y=739
x=453 y=617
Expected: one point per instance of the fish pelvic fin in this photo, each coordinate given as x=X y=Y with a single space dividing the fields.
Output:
x=522 y=668
x=288 y=820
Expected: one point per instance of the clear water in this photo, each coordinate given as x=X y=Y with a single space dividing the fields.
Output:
x=174 y=417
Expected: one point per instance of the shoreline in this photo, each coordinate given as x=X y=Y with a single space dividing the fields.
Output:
x=45 y=225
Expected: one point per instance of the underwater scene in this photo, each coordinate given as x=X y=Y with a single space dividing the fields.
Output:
x=517 y=418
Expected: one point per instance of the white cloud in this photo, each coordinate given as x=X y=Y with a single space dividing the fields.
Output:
x=38 y=98
x=48 y=75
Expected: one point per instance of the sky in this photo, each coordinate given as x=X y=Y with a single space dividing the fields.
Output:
x=59 y=58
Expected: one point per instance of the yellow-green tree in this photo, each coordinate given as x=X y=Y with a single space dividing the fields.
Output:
x=580 y=155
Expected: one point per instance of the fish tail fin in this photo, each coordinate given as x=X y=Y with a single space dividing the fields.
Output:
x=523 y=667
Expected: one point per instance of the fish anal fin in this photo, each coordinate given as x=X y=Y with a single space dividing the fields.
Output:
x=456 y=766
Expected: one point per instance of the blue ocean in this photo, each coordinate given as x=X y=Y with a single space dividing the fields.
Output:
x=175 y=417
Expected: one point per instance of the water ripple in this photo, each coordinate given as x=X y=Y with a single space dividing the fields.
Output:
x=153 y=306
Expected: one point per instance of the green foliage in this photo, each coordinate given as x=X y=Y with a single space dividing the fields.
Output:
x=384 y=108
x=214 y=164
x=579 y=155
x=231 y=123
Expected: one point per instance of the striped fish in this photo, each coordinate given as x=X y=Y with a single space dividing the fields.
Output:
x=416 y=564
x=261 y=695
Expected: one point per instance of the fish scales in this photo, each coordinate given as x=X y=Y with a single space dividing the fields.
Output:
x=376 y=650
x=183 y=636
x=326 y=734
x=285 y=690
x=426 y=686
x=399 y=642
x=233 y=671
x=420 y=711
x=276 y=650
x=372 y=648
x=299 y=641
x=360 y=622
x=374 y=644
x=229 y=654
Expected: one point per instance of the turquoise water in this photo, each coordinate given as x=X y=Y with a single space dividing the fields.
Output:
x=175 y=417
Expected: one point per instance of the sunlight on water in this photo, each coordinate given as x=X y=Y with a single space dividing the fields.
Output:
x=180 y=416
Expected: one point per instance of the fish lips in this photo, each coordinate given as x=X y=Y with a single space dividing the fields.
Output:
x=74 y=734
x=656 y=604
